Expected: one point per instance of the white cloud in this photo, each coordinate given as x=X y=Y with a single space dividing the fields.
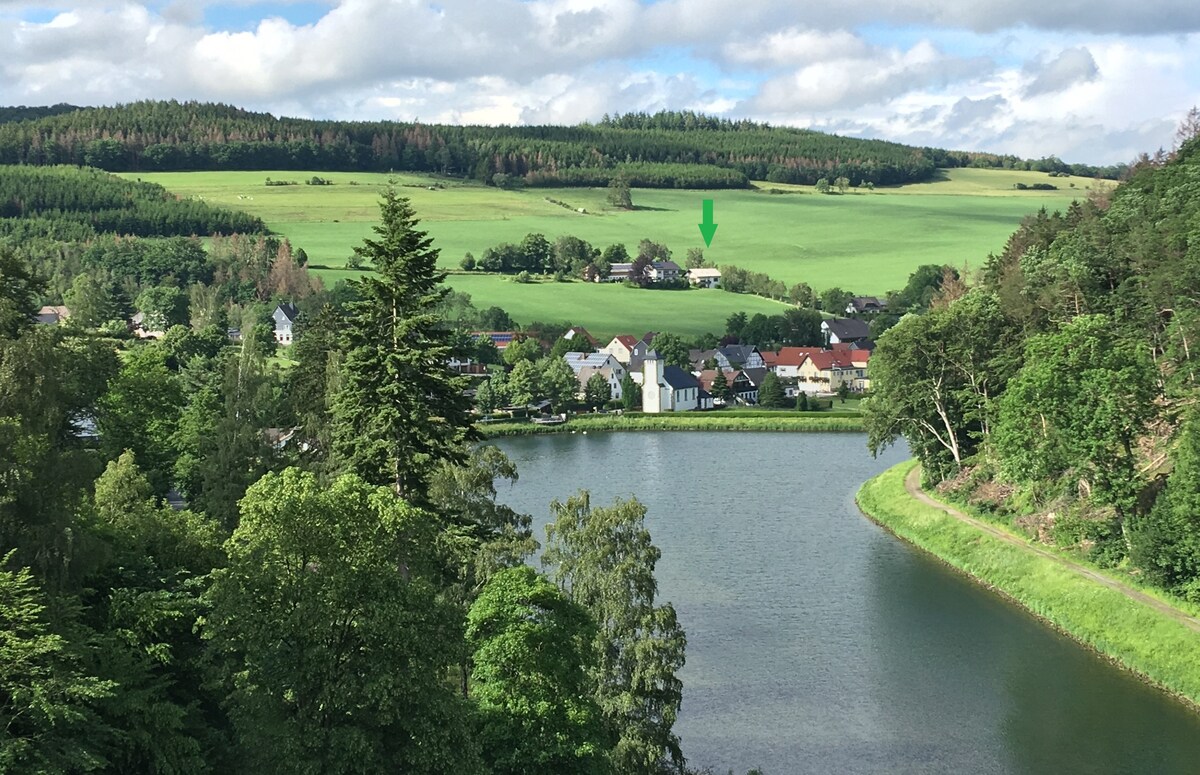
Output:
x=1095 y=81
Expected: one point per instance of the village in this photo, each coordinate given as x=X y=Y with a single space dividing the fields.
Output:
x=726 y=375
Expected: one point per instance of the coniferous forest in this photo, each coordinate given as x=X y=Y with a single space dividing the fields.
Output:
x=1059 y=391
x=670 y=149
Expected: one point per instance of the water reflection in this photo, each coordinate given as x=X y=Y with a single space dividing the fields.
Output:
x=818 y=643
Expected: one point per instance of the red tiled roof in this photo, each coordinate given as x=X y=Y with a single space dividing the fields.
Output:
x=793 y=356
x=627 y=340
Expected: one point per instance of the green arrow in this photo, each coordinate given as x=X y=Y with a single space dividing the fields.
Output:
x=708 y=228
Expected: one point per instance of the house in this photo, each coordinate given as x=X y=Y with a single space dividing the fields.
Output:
x=640 y=350
x=667 y=388
x=657 y=271
x=704 y=277
x=786 y=363
x=738 y=384
x=612 y=375
x=731 y=356
x=285 y=318
x=52 y=316
x=621 y=348
x=586 y=364
x=580 y=336
x=501 y=339
x=827 y=371
x=844 y=330
x=663 y=271
x=865 y=305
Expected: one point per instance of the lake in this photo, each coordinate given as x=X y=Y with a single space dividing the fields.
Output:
x=819 y=643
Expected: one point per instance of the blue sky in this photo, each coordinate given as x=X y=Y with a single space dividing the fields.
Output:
x=1087 y=80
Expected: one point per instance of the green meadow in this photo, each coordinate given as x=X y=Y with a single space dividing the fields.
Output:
x=865 y=241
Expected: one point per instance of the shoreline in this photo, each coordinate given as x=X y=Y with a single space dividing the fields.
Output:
x=1157 y=647
x=683 y=421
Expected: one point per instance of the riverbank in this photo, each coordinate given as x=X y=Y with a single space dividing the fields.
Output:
x=1142 y=634
x=684 y=421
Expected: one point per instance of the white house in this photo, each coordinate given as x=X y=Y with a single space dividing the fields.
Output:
x=285 y=317
x=621 y=347
x=667 y=388
x=704 y=277
x=586 y=364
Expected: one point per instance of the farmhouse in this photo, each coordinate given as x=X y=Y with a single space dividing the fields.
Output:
x=827 y=371
x=786 y=363
x=704 y=277
x=501 y=339
x=865 y=305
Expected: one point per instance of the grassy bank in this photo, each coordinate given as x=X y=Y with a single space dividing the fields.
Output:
x=1132 y=634
x=826 y=421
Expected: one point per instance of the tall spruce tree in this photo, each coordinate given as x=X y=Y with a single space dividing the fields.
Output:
x=399 y=408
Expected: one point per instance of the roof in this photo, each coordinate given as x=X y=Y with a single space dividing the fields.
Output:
x=865 y=302
x=53 y=315
x=678 y=379
x=704 y=271
x=579 y=332
x=288 y=309
x=790 y=356
x=625 y=339
x=580 y=361
x=755 y=375
x=665 y=266
x=738 y=353
x=501 y=339
x=847 y=328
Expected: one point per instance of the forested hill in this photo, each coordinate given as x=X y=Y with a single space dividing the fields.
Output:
x=23 y=113
x=1060 y=391
x=160 y=136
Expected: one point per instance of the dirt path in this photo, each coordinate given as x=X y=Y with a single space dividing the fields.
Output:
x=912 y=483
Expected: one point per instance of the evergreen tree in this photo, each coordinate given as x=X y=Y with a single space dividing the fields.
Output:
x=770 y=393
x=399 y=407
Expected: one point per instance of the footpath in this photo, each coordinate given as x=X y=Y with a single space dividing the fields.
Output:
x=912 y=483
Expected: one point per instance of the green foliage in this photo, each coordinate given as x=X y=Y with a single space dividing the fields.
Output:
x=46 y=698
x=597 y=391
x=398 y=408
x=603 y=559
x=1166 y=541
x=770 y=393
x=558 y=383
x=1079 y=402
x=140 y=412
x=531 y=645
x=631 y=394
x=673 y=350
x=333 y=637
x=19 y=289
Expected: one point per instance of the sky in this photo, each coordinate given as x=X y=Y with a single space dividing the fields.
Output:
x=1092 y=81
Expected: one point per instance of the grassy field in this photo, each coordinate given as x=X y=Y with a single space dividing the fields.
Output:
x=1133 y=634
x=867 y=242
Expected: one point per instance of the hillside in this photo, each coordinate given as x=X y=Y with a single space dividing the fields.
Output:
x=1059 y=392
x=668 y=150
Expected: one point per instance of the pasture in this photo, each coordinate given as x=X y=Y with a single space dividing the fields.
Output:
x=864 y=241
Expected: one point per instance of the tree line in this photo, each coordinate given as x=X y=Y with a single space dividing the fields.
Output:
x=166 y=136
x=97 y=202
x=1059 y=387
x=337 y=588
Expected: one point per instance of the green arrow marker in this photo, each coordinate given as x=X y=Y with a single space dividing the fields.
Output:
x=708 y=228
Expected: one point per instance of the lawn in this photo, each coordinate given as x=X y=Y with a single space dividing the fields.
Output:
x=866 y=242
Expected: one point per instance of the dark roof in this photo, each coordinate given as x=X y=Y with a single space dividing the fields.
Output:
x=755 y=375
x=848 y=329
x=288 y=309
x=678 y=379
x=738 y=353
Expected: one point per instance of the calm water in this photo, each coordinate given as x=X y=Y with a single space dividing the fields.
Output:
x=818 y=643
